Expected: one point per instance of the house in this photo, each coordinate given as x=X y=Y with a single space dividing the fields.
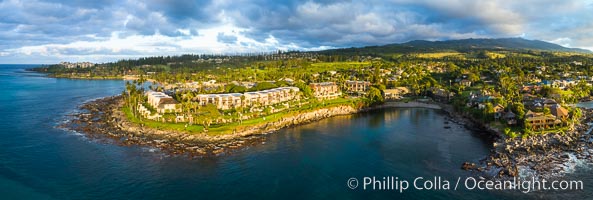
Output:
x=558 y=111
x=288 y=80
x=498 y=111
x=537 y=120
x=325 y=90
x=510 y=117
x=528 y=97
x=532 y=114
x=396 y=93
x=549 y=102
x=545 y=82
x=441 y=94
x=357 y=87
x=537 y=103
x=562 y=84
x=465 y=82
x=481 y=106
x=531 y=88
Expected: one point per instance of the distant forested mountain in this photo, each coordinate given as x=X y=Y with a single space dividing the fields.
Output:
x=465 y=45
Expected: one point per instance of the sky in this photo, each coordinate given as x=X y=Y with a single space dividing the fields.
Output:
x=50 y=31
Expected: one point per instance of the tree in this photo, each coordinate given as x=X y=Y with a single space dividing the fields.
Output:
x=377 y=72
x=546 y=91
x=547 y=111
x=575 y=114
x=487 y=112
x=263 y=86
x=238 y=89
x=519 y=110
x=374 y=96
x=452 y=68
x=473 y=77
x=207 y=115
x=305 y=89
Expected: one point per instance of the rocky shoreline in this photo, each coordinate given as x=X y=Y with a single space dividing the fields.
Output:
x=103 y=118
x=548 y=156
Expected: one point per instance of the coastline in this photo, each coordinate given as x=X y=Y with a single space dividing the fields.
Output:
x=410 y=104
x=547 y=155
x=105 y=118
x=544 y=155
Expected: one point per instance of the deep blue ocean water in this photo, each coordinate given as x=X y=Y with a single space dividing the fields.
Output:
x=312 y=161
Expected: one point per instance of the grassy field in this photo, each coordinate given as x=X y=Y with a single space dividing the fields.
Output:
x=568 y=54
x=437 y=55
x=335 y=66
x=494 y=55
x=392 y=55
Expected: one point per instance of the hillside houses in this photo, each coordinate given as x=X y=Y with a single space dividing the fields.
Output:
x=565 y=83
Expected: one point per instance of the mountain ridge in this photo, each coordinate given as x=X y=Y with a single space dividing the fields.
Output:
x=465 y=45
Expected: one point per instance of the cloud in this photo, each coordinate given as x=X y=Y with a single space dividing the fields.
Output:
x=223 y=38
x=102 y=30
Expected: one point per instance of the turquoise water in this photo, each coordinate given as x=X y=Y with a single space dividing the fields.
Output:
x=588 y=104
x=313 y=161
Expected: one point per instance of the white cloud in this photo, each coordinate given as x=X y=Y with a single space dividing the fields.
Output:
x=131 y=28
x=157 y=44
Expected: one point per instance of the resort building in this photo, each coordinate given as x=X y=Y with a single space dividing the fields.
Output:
x=259 y=98
x=161 y=102
x=325 y=90
x=221 y=101
x=357 y=86
x=77 y=64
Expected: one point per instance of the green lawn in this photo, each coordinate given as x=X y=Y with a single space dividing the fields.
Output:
x=438 y=55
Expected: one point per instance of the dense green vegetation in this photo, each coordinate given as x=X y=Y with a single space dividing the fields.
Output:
x=482 y=76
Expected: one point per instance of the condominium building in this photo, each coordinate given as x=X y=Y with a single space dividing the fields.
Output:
x=258 y=98
x=357 y=86
x=325 y=90
x=161 y=102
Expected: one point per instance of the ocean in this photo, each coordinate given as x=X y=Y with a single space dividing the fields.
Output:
x=312 y=161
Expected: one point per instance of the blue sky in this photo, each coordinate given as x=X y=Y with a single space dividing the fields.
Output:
x=49 y=31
